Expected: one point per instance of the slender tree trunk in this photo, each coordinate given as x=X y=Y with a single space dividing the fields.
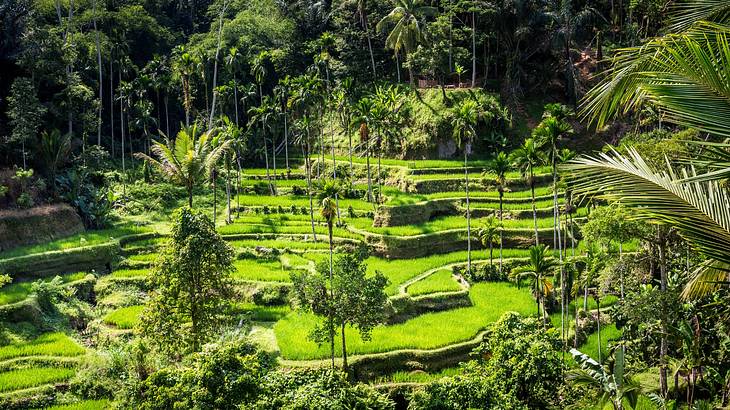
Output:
x=121 y=126
x=111 y=103
x=266 y=159
x=215 y=64
x=228 y=190
x=286 y=143
x=308 y=172
x=215 y=197
x=534 y=210
x=238 y=184
x=468 y=212
x=501 y=229
x=364 y=21
x=397 y=66
x=334 y=174
x=473 y=50
x=380 y=172
x=235 y=96
x=332 y=297
x=344 y=349
x=273 y=159
x=349 y=138
x=167 y=115
x=370 y=181
x=661 y=238
x=598 y=321
x=98 y=62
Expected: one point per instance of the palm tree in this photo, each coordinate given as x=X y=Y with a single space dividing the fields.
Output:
x=232 y=61
x=677 y=73
x=526 y=158
x=463 y=123
x=188 y=158
x=343 y=97
x=329 y=212
x=223 y=8
x=537 y=271
x=499 y=167
x=185 y=66
x=258 y=70
x=365 y=117
x=407 y=32
x=363 y=17
x=615 y=387
x=261 y=115
x=490 y=234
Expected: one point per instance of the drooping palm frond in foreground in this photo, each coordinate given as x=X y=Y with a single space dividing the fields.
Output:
x=687 y=12
x=686 y=75
x=700 y=211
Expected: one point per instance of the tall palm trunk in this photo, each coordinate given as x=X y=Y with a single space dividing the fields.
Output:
x=334 y=174
x=121 y=126
x=214 y=175
x=238 y=183
x=370 y=180
x=534 y=209
x=111 y=103
x=380 y=172
x=332 y=296
x=661 y=239
x=468 y=213
x=344 y=348
x=308 y=172
x=501 y=231
x=286 y=143
x=98 y=62
x=266 y=159
x=228 y=188
x=473 y=50
x=215 y=64
x=235 y=96
x=349 y=139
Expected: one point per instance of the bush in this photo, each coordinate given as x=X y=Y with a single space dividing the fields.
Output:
x=271 y=295
x=298 y=190
x=25 y=201
x=261 y=188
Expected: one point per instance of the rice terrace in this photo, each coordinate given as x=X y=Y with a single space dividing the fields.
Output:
x=350 y=204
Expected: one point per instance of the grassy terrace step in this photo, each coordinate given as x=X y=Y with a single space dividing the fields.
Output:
x=427 y=331
x=421 y=164
x=15 y=292
x=124 y=318
x=82 y=405
x=48 y=344
x=440 y=281
x=474 y=175
x=32 y=377
x=397 y=198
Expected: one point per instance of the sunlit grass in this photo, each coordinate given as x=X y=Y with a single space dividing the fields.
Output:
x=265 y=313
x=609 y=333
x=441 y=281
x=48 y=344
x=15 y=292
x=281 y=244
x=130 y=273
x=75 y=241
x=418 y=376
x=124 y=318
x=427 y=331
x=31 y=377
x=82 y=405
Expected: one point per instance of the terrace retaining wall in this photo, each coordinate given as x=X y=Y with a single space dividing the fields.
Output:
x=41 y=224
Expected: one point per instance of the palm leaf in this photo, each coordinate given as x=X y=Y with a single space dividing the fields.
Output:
x=686 y=75
x=687 y=12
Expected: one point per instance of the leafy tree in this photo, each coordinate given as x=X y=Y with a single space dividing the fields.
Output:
x=193 y=286
x=25 y=113
x=464 y=125
x=613 y=386
x=538 y=271
x=499 y=168
x=54 y=149
x=224 y=375
x=407 y=31
x=185 y=66
x=526 y=158
x=490 y=234
x=188 y=159
x=349 y=298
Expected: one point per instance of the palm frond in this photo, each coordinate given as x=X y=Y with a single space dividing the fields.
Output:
x=686 y=75
x=700 y=211
x=687 y=12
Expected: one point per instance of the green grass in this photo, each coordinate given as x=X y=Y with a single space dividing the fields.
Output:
x=399 y=271
x=286 y=201
x=441 y=281
x=75 y=241
x=48 y=344
x=130 y=273
x=15 y=292
x=124 y=318
x=400 y=198
x=418 y=376
x=428 y=331
x=265 y=313
x=475 y=176
x=608 y=333
x=144 y=257
x=31 y=377
x=447 y=223
x=82 y=405
x=413 y=164
x=281 y=244
x=251 y=269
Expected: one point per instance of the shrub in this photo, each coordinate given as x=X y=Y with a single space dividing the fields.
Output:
x=261 y=188
x=271 y=295
x=297 y=190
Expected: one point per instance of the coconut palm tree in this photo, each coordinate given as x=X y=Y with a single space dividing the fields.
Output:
x=188 y=158
x=464 y=123
x=677 y=73
x=259 y=72
x=537 y=271
x=261 y=116
x=490 y=234
x=499 y=168
x=407 y=31
x=329 y=213
x=362 y=15
x=526 y=158
x=365 y=117
x=185 y=66
x=232 y=61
